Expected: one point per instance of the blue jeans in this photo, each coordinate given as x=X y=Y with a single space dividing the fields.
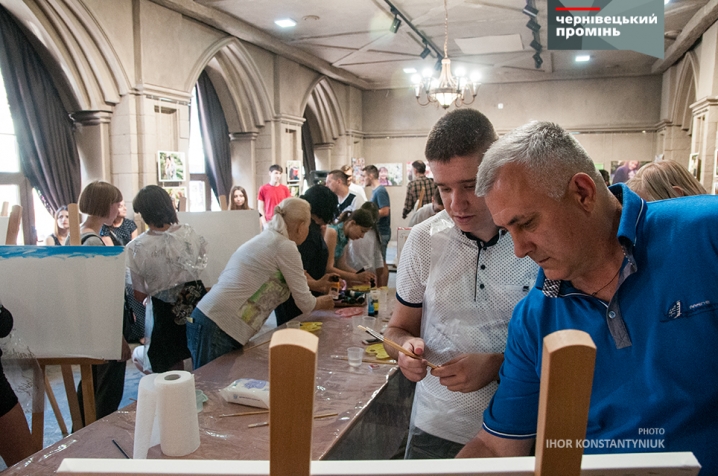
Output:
x=206 y=341
x=384 y=242
x=422 y=445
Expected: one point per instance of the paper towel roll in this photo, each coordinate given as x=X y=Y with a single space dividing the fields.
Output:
x=166 y=414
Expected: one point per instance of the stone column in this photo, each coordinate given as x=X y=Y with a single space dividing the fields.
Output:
x=93 y=144
x=242 y=147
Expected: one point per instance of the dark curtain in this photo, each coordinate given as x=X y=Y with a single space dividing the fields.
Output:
x=310 y=164
x=44 y=130
x=215 y=137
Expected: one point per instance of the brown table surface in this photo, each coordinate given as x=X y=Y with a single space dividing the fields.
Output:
x=345 y=390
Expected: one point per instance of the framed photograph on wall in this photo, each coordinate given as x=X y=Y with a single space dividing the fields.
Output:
x=294 y=190
x=694 y=165
x=171 y=166
x=294 y=171
x=176 y=193
x=358 y=165
x=390 y=175
x=624 y=170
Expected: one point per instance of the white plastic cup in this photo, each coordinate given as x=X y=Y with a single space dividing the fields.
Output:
x=356 y=322
x=369 y=323
x=354 y=356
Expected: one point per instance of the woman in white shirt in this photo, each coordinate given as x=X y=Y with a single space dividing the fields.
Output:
x=259 y=276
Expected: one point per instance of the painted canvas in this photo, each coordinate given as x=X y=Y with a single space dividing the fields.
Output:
x=358 y=165
x=294 y=171
x=390 y=175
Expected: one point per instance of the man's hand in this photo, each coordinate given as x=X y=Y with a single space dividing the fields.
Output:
x=413 y=369
x=469 y=372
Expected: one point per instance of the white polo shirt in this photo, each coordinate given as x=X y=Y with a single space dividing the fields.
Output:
x=467 y=291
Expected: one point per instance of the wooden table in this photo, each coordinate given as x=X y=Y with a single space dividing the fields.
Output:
x=373 y=405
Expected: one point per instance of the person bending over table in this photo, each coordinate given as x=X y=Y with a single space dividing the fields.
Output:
x=314 y=251
x=640 y=278
x=351 y=225
x=259 y=276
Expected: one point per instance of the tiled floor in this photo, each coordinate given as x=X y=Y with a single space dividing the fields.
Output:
x=132 y=379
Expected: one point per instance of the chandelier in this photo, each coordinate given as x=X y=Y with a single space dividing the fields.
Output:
x=447 y=89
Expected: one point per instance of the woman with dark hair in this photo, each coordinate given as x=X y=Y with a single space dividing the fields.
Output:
x=314 y=251
x=100 y=201
x=238 y=199
x=350 y=225
x=62 y=227
x=122 y=230
x=165 y=263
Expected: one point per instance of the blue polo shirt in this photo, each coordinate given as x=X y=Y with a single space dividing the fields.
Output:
x=655 y=386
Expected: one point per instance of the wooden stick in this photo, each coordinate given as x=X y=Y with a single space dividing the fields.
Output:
x=368 y=361
x=396 y=346
x=13 y=226
x=566 y=378
x=259 y=412
x=5 y=207
x=316 y=417
x=74 y=213
x=223 y=202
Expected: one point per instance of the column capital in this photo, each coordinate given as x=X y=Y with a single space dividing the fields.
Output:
x=243 y=136
x=91 y=118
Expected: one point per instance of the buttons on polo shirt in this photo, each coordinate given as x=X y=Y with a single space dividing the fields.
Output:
x=483 y=266
x=481 y=286
x=611 y=314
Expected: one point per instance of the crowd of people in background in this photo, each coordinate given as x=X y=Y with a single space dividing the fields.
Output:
x=478 y=254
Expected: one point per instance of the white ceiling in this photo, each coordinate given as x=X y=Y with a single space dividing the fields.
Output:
x=353 y=36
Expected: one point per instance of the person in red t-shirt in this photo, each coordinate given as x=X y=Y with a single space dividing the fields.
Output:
x=271 y=194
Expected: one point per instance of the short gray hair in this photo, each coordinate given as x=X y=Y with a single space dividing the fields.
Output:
x=549 y=153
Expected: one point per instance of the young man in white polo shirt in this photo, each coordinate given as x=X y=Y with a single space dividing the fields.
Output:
x=457 y=284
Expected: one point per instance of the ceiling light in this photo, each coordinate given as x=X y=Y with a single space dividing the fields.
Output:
x=446 y=90
x=410 y=70
x=530 y=11
x=425 y=53
x=582 y=58
x=500 y=105
x=533 y=25
x=285 y=23
x=395 y=24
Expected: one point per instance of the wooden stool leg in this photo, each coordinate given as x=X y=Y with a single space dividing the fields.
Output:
x=38 y=407
x=566 y=379
x=292 y=370
x=55 y=407
x=72 y=402
x=88 y=393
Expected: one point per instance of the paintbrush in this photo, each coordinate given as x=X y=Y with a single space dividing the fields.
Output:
x=396 y=346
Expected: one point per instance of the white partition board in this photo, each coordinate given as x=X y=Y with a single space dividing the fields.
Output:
x=225 y=232
x=67 y=301
x=3 y=229
x=637 y=464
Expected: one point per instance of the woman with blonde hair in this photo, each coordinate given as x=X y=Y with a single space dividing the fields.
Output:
x=238 y=199
x=259 y=276
x=665 y=179
x=62 y=227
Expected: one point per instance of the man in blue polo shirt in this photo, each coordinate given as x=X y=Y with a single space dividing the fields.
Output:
x=639 y=277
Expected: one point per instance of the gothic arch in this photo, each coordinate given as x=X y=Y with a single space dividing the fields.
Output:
x=323 y=103
x=235 y=76
x=76 y=51
x=686 y=87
